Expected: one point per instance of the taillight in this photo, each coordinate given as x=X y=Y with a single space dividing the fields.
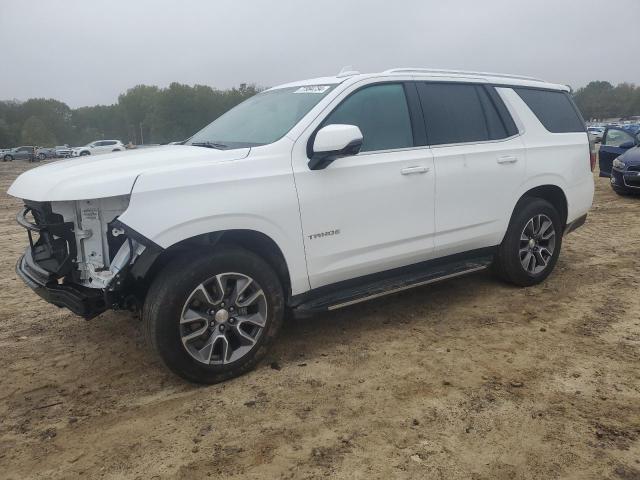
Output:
x=592 y=155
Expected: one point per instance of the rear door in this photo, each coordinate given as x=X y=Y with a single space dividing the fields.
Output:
x=479 y=163
x=611 y=148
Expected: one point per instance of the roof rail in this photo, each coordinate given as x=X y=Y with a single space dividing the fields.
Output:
x=460 y=72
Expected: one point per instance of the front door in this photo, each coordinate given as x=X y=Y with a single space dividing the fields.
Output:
x=615 y=142
x=373 y=211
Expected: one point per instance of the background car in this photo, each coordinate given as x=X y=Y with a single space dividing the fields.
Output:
x=44 y=153
x=615 y=142
x=625 y=174
x=595 y=133
x=98 y=147
x=24 y=152
x=63 y=151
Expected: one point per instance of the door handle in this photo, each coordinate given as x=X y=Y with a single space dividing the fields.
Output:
x=507 y=159
x=413 y=170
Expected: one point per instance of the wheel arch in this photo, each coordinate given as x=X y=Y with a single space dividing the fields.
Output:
x=554 y=194
x=256 y=242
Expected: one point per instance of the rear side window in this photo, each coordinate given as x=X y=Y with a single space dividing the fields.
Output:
x=381 y=113
x=554 y=110
x=461 y=113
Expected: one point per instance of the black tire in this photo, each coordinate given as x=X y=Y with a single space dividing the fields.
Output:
x=172 y=288
x=507 y=263
x=42 y=156
x=8 y=158
x=84 y=154
x=621 y=191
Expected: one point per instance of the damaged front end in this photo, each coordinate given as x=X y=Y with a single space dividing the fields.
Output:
x=81 y=257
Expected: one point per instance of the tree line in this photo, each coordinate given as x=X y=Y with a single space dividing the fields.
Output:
x=601 y=100
x=143 y=114
x=148 y=114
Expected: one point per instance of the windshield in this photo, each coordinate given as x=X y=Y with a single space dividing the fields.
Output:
x=262 y=119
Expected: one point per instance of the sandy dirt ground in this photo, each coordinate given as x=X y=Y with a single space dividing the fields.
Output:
x=468 y=379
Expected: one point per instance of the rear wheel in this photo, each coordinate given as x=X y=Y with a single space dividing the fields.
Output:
x=213 y=316
x=531 y=246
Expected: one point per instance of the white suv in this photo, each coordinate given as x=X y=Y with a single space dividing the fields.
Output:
x=98 y=147
x=309 y=197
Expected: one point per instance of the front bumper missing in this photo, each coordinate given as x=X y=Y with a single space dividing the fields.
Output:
x=83 y=301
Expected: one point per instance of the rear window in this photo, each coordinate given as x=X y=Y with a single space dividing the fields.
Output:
x=555 y=110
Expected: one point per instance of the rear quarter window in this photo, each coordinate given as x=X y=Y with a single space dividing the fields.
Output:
x=554 y=109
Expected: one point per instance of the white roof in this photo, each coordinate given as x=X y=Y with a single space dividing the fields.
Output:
x=435 y=74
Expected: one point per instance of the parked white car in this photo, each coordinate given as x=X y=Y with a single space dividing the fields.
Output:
x=309 y=197
x=98 y=147
x=596 y=133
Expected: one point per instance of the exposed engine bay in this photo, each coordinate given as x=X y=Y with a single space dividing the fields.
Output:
x=102 y=249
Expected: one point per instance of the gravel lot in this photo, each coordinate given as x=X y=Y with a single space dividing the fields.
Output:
x=466 y=379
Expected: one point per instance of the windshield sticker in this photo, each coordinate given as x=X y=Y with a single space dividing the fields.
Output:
x=313 y=89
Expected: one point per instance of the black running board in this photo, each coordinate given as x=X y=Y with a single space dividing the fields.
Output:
x=387 y=286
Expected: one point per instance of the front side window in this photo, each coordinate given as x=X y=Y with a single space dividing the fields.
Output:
x=261 y=119
x=615 y=138
x=381 y=113
x=459 y=113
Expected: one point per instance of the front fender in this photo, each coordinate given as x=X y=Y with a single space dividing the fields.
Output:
x=214 y=198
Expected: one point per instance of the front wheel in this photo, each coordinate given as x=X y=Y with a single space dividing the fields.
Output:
x=8 y=158
x=531 y=246
x=41 y=156
x=621 y=191
x=83 y=154
x=212 y=316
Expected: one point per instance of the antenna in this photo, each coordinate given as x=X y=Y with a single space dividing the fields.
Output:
x=347 y=71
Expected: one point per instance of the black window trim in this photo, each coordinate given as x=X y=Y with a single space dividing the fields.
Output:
x=502 y=112
x=506 y=118
x=415 y=116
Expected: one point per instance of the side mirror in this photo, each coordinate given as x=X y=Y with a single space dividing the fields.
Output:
x=333 y=142
x=627 y=145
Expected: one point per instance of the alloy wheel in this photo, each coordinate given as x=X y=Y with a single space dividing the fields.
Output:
x=537 y=244
x=223 y=318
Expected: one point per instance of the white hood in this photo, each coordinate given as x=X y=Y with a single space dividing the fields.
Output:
x=109 y=175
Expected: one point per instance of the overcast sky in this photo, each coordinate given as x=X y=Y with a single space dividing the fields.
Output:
x=86 y=52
